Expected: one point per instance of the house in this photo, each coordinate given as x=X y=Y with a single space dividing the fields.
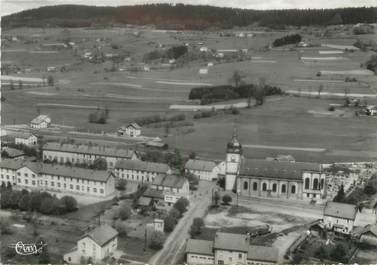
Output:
x=203 y=169
x=204 y=49
x=339 y=217
x=13 y=153
x=210 y=64
x=8 y=169
x=166 y=189
x=85 y=154
x=140 y=171
x=25 y=139
x=263 y=178
x=229 y=248
x=203 y=71
x=51 y=69
x=156 y=225
x=95 y=245
x=132 y=130
x=371 y=110
x=40 y=122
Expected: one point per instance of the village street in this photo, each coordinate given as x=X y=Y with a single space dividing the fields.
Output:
x=175 y=243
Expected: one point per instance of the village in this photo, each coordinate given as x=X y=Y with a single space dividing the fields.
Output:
x=139 y=145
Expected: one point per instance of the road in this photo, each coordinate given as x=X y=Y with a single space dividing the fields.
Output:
x=175 y=243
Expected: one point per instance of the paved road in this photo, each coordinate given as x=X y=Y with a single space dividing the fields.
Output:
x=175 y=243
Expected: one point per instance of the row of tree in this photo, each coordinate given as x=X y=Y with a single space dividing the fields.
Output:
x=289 y=39
x=42 y=202
x=184 y=16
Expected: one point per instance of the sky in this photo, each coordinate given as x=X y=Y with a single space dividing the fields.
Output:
x=12 y=6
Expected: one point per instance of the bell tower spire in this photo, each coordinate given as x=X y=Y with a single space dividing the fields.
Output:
x=233 y=160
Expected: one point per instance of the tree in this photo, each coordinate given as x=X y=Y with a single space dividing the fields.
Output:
x=125 y=212
x=121 y=228
x=121 y=185
x=175 y=214
x=44 y=256
x=320 y=89
x=236 y=79
x=371 y=64
x=259 y=92
x=196 y=227
x=99 y=164
x=340 y=196
x=47 y=206
x=35 y=201
x=69 y=203
x=216 y=198
x=5 y=227
x=339 y=253
x=24 y=202
x=181 y=205
x=192 y=155
x=50 y=80
x=157 y=240
x=227 y=199
x=321 y=253
x=169 y=223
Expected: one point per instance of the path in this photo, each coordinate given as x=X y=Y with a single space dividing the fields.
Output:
x=308 y=149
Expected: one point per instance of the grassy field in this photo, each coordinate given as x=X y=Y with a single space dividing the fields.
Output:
x=291 y=122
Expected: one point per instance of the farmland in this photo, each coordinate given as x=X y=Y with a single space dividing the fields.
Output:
x=296 y=125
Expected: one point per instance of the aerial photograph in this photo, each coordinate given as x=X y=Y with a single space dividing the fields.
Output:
x=187 y=132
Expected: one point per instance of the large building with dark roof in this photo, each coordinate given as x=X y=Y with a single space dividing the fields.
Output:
x=85 y=154
x=278 y=179
x=339 y=217
x=229 y=248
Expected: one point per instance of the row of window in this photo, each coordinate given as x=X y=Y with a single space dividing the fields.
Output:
x=72 y=160
x=264 y=187
x=316 y=184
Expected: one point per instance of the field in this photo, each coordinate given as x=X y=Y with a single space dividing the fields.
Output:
x=300 y=126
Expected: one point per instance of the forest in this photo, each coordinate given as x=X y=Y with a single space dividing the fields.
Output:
x=182 y=16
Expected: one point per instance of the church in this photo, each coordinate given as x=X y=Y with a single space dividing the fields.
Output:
x=275 y=179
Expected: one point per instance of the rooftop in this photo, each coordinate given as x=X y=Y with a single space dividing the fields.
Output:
x=276 y=169
x=102 y=234
x=151 y=193
x=41 y=118
x=12 y=152
x=142 y=166
x=229 y=241
x=340 y=210
x=88 y=149
x=263 y=254
x=168 y=180
x=197 y=246
x=201 y=165
x=23 y=135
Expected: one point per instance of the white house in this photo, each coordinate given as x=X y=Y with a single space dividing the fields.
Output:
x=229 y=248
x=25 y=138
x=203 y=169
x=339 y=217
x=140 y=171
x=132 y=130
x=371 y=110
x=204 y=49
x=95 y=245
x=42 y=121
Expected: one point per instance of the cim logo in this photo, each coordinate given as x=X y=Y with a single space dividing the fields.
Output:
x=28 y=249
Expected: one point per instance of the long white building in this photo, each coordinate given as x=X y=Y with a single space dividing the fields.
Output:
x=85 y=154
x=57 y=178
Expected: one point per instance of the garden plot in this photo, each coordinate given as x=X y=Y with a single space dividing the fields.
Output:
x=252 y=218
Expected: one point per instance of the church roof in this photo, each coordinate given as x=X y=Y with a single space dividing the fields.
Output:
x=276 y=169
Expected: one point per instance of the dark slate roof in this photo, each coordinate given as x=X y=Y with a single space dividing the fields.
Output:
x=12 y=152
x=196 y=246
x=155 y=194
x=229 y=241
x=75 y=172
x=10 y=164
x=340 y=210
x=263 y=254
x=276 y=169
x=168 y=180
x=102 y=234
x=142 y=166
x=91 y=150
x=200 y=165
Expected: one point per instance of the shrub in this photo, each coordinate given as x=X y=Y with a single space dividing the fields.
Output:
x=169 y=223
x=157 y=240
x=121 y=228
x=227 y=199
x=339 y=253
x=331 y=108
x=69 y=203
x=196 y=227
x=289 y=39
x=5 y=228
x=125 y=213
x=321 y=253
x=181 y=205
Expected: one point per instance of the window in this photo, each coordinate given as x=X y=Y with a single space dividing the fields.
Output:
x=220 y=262
x=274 y=187
x=19 y=180
x=293 y=189
x=52 y=184
x=71 y=186
x=283 y=188
x=264 y=186
x=239 y=255
x=101 y=191
x=322 y=184
x=315 y=184
x=33 y=182
x=245 y=185
x=307 y=183
x=77 y=187
x=26 y=181
x=58 y=184
x=95 y=190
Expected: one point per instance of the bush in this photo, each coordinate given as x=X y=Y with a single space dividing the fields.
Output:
x=227 y=199
x=169 y=223
x=69 y=203
x=121 y=228
x=196 y=227
x=331 y=108
x=321 y=253
x=339 y=253
x=157 y=240
x=371 y=64
x=181 y=205
x=5 y=227
x=125 y=213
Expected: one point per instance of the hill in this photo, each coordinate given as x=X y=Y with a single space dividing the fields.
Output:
x=183 y=16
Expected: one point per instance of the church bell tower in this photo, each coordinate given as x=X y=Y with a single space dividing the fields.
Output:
x=232 y=162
